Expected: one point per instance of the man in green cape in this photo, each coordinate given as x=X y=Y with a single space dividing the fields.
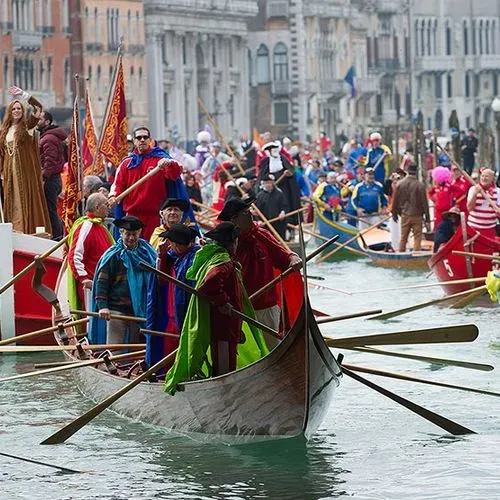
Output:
x=209 y=322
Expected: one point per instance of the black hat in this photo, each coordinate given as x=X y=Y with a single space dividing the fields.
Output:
x=129 y=222
x=225 y=232
x=180 y=233
x=231 y=208
x=412 y=169
x=175 y=202
x=269 y=177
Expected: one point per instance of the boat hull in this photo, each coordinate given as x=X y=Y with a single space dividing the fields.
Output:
x=283 y=395
x=446 y=266
x=405 y=260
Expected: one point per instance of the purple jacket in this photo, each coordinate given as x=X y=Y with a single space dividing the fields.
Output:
x=51 y=151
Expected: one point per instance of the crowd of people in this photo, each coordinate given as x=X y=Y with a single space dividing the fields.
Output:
x=156 y=224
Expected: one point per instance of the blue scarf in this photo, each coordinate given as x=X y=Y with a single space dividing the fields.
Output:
x=137 y=281
x=155 y=152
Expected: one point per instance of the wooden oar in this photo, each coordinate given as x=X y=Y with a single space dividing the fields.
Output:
x=56 y=348
x=290 y=270
x=330 y=319
x=320 y=237
x=43 y=331
x=425 y=285
x=206 y=207
x=444 y=334
x=424 y=359
x=123 y=317
x=350 y=240
x=362 y=219
x=443 y=422
x=65 y=470
x=31 y=266
x=289 y=214
x=401 y=376
x=324 y=287
x=67 y=431
x=468 y=299
x=74 y=365
x=159 y=334
x=193 y=291
x=399 y=312
x=477 y=255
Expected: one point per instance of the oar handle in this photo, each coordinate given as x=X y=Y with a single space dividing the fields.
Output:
x=330 y=319
x=141 y=181
x=123 y=317
x=159 y=334
x=293 y=212
x=193 y=291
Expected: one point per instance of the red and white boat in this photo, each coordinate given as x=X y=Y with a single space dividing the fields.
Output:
x=447 y=266
x=21 y=309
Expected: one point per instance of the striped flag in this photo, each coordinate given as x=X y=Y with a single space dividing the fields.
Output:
x=89 y=143
x=72 y=193
x=114 y=133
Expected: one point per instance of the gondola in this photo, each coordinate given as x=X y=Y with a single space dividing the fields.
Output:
x=447 y=266
x=283 y=395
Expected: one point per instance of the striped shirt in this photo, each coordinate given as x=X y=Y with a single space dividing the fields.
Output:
x=483 y=216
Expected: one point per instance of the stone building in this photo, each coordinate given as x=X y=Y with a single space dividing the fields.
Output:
x=197 y=48
x=34 y=51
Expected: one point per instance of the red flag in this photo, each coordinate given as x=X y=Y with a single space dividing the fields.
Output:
x=89 y=143
x=114 y=133
x=72 y=192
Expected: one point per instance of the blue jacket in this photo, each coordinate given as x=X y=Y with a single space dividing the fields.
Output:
x=370 y=198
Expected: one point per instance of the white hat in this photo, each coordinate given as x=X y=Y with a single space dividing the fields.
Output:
x=203 y=136
x=216 y=144
x=241 y=180
x=229 y=184
x=286 y=140
x=129 y=138
x=271 y=145
x=375 y=136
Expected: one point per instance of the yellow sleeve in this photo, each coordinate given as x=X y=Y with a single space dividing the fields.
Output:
x=318 y=193
x=355 y=194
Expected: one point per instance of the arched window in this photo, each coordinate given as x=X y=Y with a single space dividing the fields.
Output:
x=65 y=15
x=96 y=25
x=262 y=64
x=466 y=39
x=87 y=25
x=448 y=39
x=110 y=77
x=129 y=28
x=422 y=38
x=49 y=73
x=418 y=48
x=280 y=62
x=487 y=37
x=250 y=67
x=108 y=26
x=41 y=75
x=138 y=28
x=429 y=38
x=200 y=58
x=99 y=83
x=132 y=82
x=493 y=37
x=474 y=39
x=434 y=38
x=467 y=85
x=6 y=80
x=89 y=73
x=140 y=82
x=481 y=32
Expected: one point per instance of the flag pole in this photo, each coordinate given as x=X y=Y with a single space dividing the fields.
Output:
x=79 y=174
x=108 y=104
x=89 y=112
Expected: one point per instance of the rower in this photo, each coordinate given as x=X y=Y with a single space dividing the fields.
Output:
x=167 y=304
x=379 y=157
x=327 y=196
x=258 y=253
x=120 y=285
x=271 y=202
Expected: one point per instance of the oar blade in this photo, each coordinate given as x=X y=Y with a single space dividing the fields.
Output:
x=443 y=422
x=445 y=334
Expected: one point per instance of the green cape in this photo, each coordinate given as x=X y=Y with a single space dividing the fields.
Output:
x=73 y=299
x=196 y=334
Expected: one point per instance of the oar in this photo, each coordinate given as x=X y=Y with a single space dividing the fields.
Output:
x=424 y=359
x=362 y=219
x=73 y=365
x=330 y=319
x=401 y=376
x=123 y=317
x=56 y=348
x=43 y=331
x=443 y=334
x=45 y=464
x=324 y=287
x=290 y=270
x=67 y=431
x=193 y=291
x=350 y=240
x=425 y=285
x=159 y=334
x=399 y=312
x=206 y=207
x=289 y=214
x=477 y=255
x=443 y=422
x=468 y=299
x=320 y=237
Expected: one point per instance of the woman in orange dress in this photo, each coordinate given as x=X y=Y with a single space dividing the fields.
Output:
x=24 y=200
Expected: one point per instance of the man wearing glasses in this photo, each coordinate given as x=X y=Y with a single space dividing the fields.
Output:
x=145 y=201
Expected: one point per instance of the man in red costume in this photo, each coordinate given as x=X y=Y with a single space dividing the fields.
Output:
x=460 y=186
x=259 y=252
x=88 y=240
x=143 y=203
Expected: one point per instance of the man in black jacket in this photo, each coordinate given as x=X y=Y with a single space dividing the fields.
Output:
x=271 y=202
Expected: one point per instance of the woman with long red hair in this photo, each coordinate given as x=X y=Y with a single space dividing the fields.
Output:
x=24 y=200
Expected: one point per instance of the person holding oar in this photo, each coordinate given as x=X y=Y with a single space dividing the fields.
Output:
x=120 y=285
x=272 y=203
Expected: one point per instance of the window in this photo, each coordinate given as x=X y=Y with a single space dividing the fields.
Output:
x=448 y=39
x=250 y=67
x=140 y=82
x=487 y=37
x=467 y=85
x=110 y=76
x=131 y=87
x=99 y=83
x=280 y=62
x=41 y=75
x=439 y=89
x=493 y=37
x=6 y=80
x=262 y=64
x=138 y=28
x=416 y=39
x=214 y=53
x=477 y=83
x=184 y=50
x=422 y=39
x=96 y=25
x=495 y=83
x=87 y=25
x=65 y=15
x=466 y=39
x=474 y=52
x=481 y=37
x=407 y=51
x=369 y=52
x=434 y=38
x=49 y=73
x=129 y=28
x=429 y=38
x=449 y=85
x=89 y=74
x=379 y=107
x=165 y=109
x=281 y=113
x=230 y=50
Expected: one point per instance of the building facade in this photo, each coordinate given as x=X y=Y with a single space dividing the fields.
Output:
x=198 y=49
x=34 y=50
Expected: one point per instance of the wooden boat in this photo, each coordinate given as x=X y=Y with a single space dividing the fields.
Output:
x=446 y=266
x=406 y=260
x=285 y=394
x=21 y=309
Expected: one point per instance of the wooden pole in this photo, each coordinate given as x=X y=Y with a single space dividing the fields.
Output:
x=330 y=319
x=293 y=212
x=478 y=256
x=122 y=317
x=56 y=348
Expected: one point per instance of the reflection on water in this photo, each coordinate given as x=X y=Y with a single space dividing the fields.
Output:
x=367 y=448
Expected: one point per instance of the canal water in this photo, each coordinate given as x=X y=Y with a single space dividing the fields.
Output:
x=368 y=447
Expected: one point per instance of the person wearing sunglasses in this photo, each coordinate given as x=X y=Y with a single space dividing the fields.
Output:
x=145 y=201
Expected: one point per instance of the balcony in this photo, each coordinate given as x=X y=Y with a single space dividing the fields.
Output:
x=277 y=8
x=281 y=87
x=24 y=41
x=435 y=63
x=368 y=86
x=488 y=61
x=333 y=88
x=388 y=65
x=388 y=6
